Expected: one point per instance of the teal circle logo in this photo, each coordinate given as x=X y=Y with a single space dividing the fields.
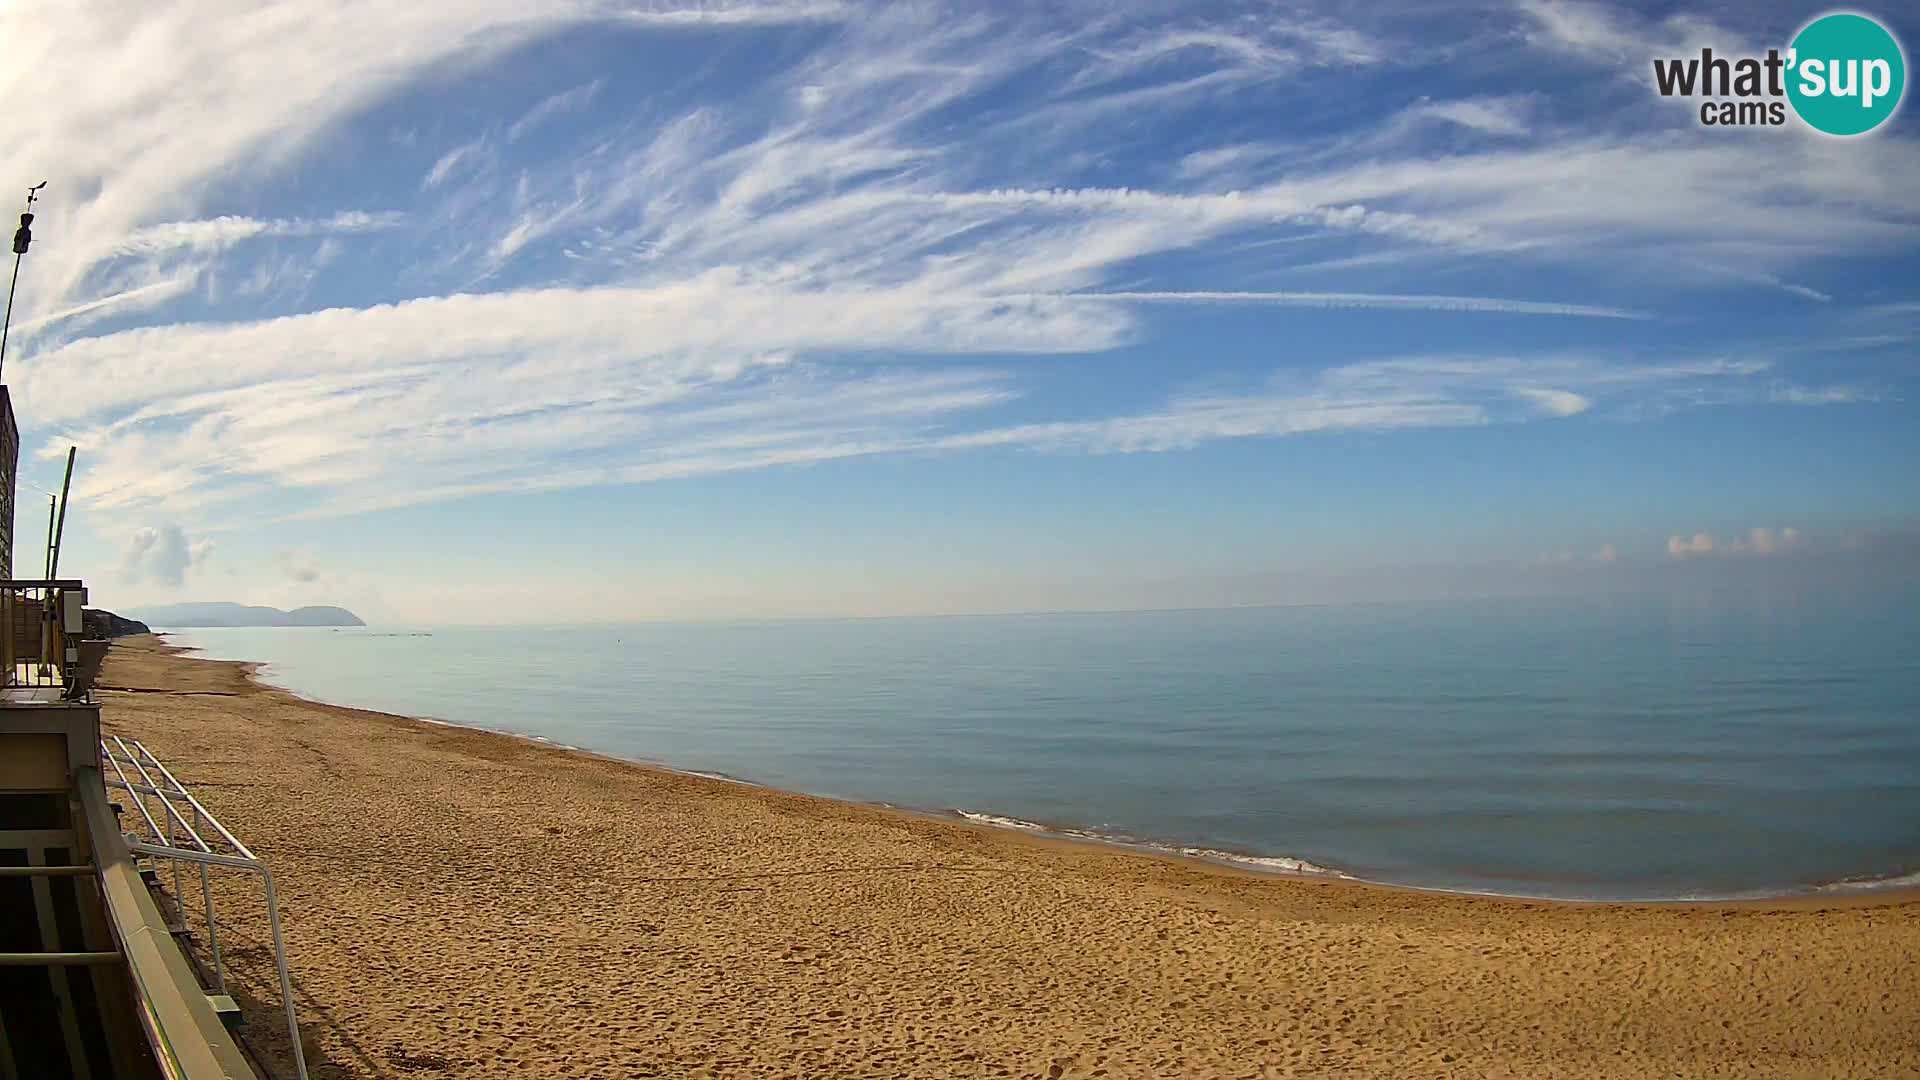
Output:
x=1846 y=75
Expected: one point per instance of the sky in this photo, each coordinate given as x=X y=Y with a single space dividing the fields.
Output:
x=491 y=311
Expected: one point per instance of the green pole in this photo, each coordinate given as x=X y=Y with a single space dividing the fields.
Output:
x=60 y=530
x=53 y=504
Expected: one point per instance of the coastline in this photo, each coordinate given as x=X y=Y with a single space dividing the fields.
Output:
x=473 y=904
x=1896 y=889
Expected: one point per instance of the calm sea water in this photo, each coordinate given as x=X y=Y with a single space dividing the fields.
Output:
x=1703 y=745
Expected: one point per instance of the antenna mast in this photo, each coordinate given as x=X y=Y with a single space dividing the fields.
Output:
x=22 y=239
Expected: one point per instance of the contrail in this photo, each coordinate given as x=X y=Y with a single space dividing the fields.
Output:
x=1388 y=301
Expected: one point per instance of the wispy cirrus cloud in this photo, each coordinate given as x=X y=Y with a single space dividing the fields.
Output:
x=141 y=296
x=1619 y=38
x=675 y=16
x=1381 y=301
x=559 y=104
x=216 y=234
x=203 y=95
x=452 y=162
x=547 y=390
x=1503 y=116
x=847 y=247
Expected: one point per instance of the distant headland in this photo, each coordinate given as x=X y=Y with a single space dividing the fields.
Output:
x=220 y=614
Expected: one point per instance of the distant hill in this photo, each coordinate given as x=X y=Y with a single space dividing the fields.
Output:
x=101 y=623
x=322 y=616
x=190 y=615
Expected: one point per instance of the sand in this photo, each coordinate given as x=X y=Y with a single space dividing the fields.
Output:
x=461 y=904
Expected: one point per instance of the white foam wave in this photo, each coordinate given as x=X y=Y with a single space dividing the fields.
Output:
x=1898 y=881
x=1280 y=864
x=1277 y=863
x=1002 y=822
x=720 y=776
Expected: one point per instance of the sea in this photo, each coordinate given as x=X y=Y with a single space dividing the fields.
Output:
x=1669 y=746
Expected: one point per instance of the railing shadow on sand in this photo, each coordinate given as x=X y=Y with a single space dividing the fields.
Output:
x=252 y=981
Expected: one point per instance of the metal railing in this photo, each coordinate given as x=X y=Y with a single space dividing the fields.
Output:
x=183 y=839
x=42 y=630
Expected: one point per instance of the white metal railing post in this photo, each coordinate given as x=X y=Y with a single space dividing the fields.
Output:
x=273 y=925
x=177 y=894
x=205 y=857
x=206 y=896
x=280 y=962
x=138 y=803
x=213 y=931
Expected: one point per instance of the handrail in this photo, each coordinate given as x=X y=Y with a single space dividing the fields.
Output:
x=40 y=959
x=203 y=855
x=182 y=1027
x=174 y=817
x=45 y=871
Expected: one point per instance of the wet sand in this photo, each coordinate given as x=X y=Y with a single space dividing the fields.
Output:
x=462 y=904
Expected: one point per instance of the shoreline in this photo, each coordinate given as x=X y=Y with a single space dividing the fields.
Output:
x=469 y=905
x=1897 y=891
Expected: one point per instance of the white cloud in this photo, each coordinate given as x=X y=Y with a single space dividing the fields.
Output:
x=140 y=297
x=1763 y=541
x=559 y=104
x=1757 y=541
x=666 y=16
x=451 y=162
x=1896 y=310
x=1205 y=163
x=257 y=92
x=224 y=232
x=1606 y=35
x=1554 y=402
x=464 y=395
x=1386 y=301
x=1416 y=392
x=1697 y=544
x=1275 y=47
x=1822 y=395
x=589 y=335
x=203 y=95
x=814 y=265
x=162 y=555
x=1501 y=116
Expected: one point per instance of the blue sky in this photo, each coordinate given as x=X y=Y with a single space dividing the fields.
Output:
x=493 y=310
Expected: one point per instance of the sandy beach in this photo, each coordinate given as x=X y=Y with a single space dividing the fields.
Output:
x=462 y=904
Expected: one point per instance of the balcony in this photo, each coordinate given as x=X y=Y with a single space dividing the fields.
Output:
x=44 y=654
x=94 y=981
